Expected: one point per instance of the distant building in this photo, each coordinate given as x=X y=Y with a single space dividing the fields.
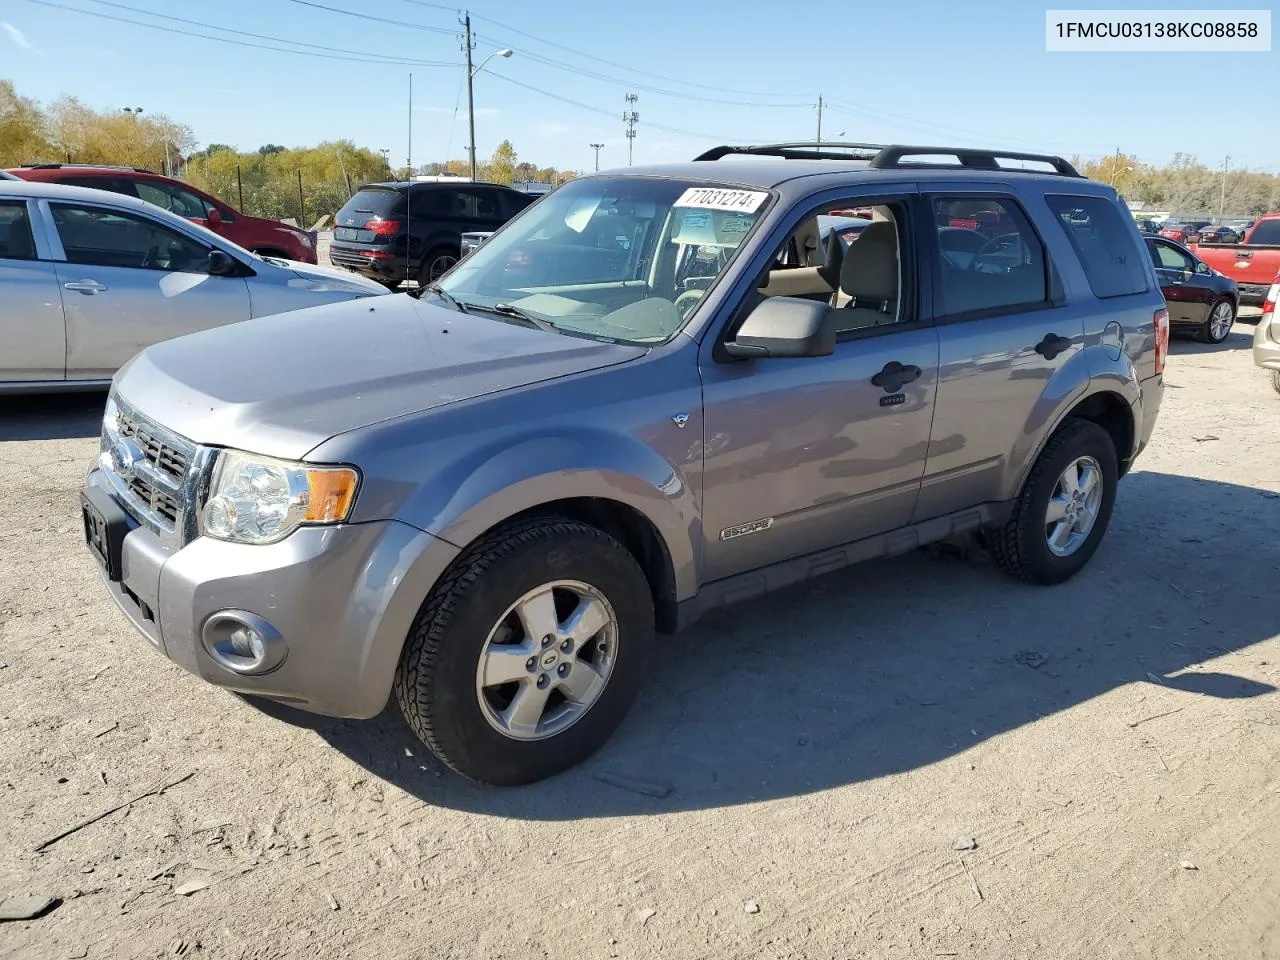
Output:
x=532 y=187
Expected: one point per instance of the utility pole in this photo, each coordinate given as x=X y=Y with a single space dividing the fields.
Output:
x=630 y=117
x=819 y=121
x=1222 y=203
x=469 y=44
x=596 y=147
x=409 y=157
x=1115 y=166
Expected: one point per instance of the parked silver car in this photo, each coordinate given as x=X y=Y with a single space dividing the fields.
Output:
x=89 y=278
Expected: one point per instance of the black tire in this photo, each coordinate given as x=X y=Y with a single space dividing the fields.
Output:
x=1275 y=380
x=1020 y=546
x=435 y=264
x=435 y=683
x=1206 y=334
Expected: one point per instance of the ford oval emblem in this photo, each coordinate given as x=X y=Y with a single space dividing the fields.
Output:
x=125 y=455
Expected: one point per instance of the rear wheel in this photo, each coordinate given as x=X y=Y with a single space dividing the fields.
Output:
x=1222 y=315
x=435 y=265
x=1064 y=508
x=527 y=656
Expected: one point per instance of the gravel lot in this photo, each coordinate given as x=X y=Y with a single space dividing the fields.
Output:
x=1111 y=746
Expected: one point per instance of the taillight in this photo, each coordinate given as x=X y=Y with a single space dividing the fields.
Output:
x=1161 y=321
x=1269 y=308
x=383 y=228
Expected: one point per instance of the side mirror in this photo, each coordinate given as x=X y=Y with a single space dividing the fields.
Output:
x=222 y=264
x=214 y=218
x=785 y=327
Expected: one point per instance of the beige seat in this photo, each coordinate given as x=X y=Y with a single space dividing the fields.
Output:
x=869 y=278
x=819 y=277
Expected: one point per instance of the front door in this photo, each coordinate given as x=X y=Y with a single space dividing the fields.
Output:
x=806 y=454
x=1187 y=294
x=128 y=282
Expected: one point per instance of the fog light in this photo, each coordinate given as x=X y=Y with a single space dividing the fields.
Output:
x=243 y=642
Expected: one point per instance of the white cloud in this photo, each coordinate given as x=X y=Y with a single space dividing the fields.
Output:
x=16 y=35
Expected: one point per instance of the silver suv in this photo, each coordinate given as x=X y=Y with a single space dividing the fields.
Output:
x=653 y=393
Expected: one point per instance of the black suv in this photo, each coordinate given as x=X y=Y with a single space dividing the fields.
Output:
x=413 y=230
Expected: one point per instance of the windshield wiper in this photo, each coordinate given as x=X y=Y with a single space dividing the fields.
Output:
x=507 y=310
x=448 y=298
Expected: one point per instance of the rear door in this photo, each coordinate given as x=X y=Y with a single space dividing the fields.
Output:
x=1004 y=332
x=129 y=281
x=33 y=339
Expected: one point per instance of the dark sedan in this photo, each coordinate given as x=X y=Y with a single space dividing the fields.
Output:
x=1221 y=234
x=1201 y=301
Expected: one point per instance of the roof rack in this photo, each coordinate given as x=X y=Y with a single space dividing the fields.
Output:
x=896 y=156
x=94 y=166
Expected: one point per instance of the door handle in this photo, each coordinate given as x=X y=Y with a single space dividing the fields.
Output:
x=88 y=287
x=1052 y=345
x=894 y=376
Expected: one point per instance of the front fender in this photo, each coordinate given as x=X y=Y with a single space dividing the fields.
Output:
x=493 y=484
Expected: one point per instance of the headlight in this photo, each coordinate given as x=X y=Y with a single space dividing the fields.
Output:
x=305 y=239
x=256 y=499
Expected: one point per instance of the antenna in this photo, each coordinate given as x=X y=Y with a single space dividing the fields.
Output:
x=630 y=118
x=408 y=190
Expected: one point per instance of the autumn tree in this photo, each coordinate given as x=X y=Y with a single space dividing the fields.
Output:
x=23 y=128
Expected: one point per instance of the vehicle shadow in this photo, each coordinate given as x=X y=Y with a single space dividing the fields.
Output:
x=895 y=665
x=1240 y=338
x=56 y=416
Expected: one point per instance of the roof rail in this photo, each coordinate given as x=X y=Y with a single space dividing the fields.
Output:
x=896 y=156
x=95 y=166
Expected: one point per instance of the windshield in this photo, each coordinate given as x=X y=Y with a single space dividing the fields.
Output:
x=619 y=258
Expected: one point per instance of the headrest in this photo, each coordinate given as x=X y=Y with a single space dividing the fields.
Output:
x=870 y=267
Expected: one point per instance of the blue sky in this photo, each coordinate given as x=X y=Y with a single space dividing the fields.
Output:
x=914 y=71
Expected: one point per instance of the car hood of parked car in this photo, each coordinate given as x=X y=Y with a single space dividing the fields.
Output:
x=326 y=278
x=294 y=380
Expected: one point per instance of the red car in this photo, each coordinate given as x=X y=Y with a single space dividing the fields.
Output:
x=269 y=238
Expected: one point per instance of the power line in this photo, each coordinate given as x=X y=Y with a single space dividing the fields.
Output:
x=608 y=63
x=238 y=43
x=369 y=16
x=259 y=36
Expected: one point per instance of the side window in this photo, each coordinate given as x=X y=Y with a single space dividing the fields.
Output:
x=174 y=199
x=476 y=205
x=989 y=257
x=866 y=283
x=1169 y=257
x=16 y=242
x=111 y=184
x=98 y=236
x=515 y=202
x=1104 y=243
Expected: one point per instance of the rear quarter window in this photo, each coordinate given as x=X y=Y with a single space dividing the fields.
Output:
x=1104 y=243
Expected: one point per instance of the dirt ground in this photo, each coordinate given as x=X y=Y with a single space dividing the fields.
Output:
x=1112 y=746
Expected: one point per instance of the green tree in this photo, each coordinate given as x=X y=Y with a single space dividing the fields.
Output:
x=502 y=165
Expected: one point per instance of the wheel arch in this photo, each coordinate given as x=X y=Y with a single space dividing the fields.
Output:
x=1106 y=407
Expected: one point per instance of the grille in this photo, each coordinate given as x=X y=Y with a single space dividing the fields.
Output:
x=153 y=487
x=167 y=459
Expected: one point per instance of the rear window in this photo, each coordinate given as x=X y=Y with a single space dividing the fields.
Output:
x=1104 y=242
x=1267 y=231
x=370 y=203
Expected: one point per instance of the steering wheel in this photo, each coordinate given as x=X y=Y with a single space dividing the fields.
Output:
x=687 y=301
x=988 y=249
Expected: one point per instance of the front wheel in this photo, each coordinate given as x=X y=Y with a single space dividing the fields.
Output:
x=1222 y=315
x=1064 y=508
x=528 y=654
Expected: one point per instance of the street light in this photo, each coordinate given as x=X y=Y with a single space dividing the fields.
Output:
x=471 y=100
x=597 y=147
x=133 y=110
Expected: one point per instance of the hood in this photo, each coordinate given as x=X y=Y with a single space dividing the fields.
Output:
x=326 y=278
x=281 y=385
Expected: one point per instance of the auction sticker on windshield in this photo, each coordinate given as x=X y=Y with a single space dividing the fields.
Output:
x=714 y=198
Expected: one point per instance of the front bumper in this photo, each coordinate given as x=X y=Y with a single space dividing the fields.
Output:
x=1266 y=344
x=342 y=599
